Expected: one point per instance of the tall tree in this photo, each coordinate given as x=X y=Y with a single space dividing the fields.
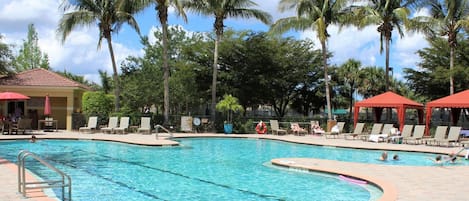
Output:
x=316 y=15
x=350 y=73
x=371 y=82
x=162 y=7
x=222 y=9
x=30 y=55
x=387 y=14
x=108 y=15
x=430 y=80
x=6 y=58
x=447 y=18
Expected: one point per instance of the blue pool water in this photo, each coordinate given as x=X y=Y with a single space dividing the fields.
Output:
x=201 y=169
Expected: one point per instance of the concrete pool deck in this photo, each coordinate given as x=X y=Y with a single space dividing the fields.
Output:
x=402 y=183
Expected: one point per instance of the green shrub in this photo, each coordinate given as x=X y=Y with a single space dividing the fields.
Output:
x=98 y=104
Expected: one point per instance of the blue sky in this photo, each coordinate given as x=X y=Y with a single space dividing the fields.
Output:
x=79 y=53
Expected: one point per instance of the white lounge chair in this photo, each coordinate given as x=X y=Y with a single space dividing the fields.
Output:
x=123 y=125
x=375 y=134
x=440 y=134
x=417 y=135
x=275 y=128
x=453 y=136
x=333 y=133
x=111 y=125
x=145 y=125
x=91 y=126
x=357 y=132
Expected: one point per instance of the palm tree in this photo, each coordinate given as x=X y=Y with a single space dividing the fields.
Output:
x=387 y=14
x=447 y=18
x=316 y=15
x=222 y=9
x=162 y=8
x=109 y=15
x=350 y=72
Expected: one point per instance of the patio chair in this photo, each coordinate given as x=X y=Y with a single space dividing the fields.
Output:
x=112 y=124
x=22 y=126
x=275 y=128
x=387 y=129
x=316 y=128
x=440 y=134
x=406 y=133
x=91 y=126
x=336 y=133
x=453 y=136
x=357 y=132
x=375 y=134
x=123 y=125
x=145 y=125
x=417 y=135
x=297 y=130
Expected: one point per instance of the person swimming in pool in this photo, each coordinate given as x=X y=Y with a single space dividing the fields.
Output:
x=33 y=139
x=384 y=156
x=395 y=157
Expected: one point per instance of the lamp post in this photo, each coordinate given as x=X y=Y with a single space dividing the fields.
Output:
x=392 y=71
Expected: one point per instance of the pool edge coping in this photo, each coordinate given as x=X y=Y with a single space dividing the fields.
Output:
x=388 y=188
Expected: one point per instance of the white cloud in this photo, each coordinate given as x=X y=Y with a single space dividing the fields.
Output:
x=79 y=53
x=349 y=43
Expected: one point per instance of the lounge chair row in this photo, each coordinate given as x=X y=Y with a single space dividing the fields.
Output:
x=410 y=134
x=295 y=128
x=113 y=127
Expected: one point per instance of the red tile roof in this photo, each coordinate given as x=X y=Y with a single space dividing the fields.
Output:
x=40 y=77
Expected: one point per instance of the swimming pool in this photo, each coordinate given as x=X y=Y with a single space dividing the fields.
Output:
x=201 y=169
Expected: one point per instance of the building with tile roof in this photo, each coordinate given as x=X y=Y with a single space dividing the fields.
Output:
x=65 y=95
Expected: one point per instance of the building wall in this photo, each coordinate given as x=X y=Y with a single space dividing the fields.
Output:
x=64 y=101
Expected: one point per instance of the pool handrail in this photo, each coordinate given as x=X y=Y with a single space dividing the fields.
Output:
x=163 y=128
x=65 y=181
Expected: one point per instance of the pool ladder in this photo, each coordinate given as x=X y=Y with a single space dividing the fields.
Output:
x=163 y=128
x=23 y=185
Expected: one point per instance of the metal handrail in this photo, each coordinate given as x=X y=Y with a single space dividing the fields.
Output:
x=65 y=181
x=165 y=129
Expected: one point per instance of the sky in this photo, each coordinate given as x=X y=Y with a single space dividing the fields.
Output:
x=80 y=55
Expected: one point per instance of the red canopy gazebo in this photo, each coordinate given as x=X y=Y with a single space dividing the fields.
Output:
x=456 y=102
x=389 y=100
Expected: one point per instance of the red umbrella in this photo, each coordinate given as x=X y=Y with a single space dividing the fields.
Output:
x=11 y=96
x=47 y=109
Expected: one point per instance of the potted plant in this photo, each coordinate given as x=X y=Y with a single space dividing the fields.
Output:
x=229 y=104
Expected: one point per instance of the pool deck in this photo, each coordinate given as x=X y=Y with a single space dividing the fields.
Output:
x=402 y=183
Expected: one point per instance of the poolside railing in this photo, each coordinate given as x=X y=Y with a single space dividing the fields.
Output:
x=23 y=185
x=157 y=127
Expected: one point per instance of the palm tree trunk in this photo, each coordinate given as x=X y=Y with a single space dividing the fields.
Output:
x=115 y=75
x=388 y=110
x=451 y=66
x=214 y=80
x=387 y=64
x=326 y=80
x=351 y=101
x=165 y=73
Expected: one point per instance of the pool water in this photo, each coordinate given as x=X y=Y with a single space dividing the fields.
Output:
x=200 y=169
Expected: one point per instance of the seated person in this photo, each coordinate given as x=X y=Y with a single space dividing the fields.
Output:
x=317 y=129
x=295 y=127
x=395 y=130
x=395 y=133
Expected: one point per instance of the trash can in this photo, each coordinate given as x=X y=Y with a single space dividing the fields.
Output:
x=330 y=124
